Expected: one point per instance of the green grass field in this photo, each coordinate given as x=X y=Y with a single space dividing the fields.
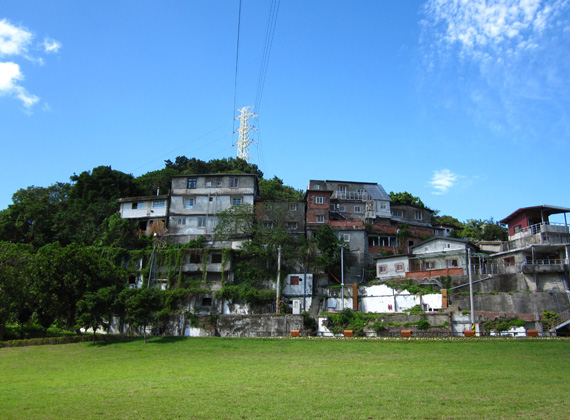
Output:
x=215 y=378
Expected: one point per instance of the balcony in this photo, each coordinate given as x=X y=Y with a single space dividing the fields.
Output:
x=347 y=195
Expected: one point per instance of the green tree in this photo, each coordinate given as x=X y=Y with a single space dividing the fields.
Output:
x=236 y=221
x=33 y=216
x=274 y=190
x=141 y=307
x=437 y=220
x=15 y=300
x=407 y=198
x=327 y=241
x=154 y=181
x=95 y=307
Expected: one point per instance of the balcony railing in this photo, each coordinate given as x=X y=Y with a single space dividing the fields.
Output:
x=347 y=195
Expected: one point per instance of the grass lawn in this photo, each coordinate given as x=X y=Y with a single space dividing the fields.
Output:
x=215 y=378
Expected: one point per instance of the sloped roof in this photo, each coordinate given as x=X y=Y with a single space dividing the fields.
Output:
x=545 y=209
x=377 y=192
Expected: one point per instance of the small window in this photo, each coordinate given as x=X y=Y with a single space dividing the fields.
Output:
x=135 y=206
x=357 y=209
x=317 y=187
x=236 y=201
x=191 y=183
x=219 y=183
x=418 y=215
x=383 y=205
x=207 y=301
x=342 y=208
x=188 y=203
x=158 y=204
x=210 y=199
x=195 y=258
x=517 y=228
x=360 y=193
x=397 y=213
x=234 y=182
x=201 y=222
x=399 y=267
x=293 y=206
x=181 y=221
x=216 y=258
x=294 y=280
x=430 y=265
x=346 y=237
x=320 y=218
x=451 y=263
x=292 y=225
x=267 y=225
x=208 y=183
x=319 y=200
x=382 y=269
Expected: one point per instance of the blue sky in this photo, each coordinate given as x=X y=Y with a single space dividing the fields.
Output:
x=464 y=104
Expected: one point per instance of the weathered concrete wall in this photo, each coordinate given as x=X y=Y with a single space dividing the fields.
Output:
x=258 y=325
x=515 y=302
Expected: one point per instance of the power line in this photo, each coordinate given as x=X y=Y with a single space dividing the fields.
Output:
x=269 y=34
x=236 y=71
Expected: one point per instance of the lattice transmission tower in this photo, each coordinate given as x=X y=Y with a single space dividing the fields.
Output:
x=246 y=113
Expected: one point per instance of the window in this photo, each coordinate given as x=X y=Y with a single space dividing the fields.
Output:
x=430 y=265
x=216 y=258
x=509 y=261
x=382 y=269
x=517 y=228
x=383 y=205
x=195 y=258
x=236 y=201
x=208 y=183
x=397 y=213
x=418 y=215
x=342 y=191
x=319 y=200
x=180 y=221
x=292 y=225
x=346 y=237
x=399 y=267
x=451 y=263
x=201 y=222
x=294 y=280
x=135 y=206
x=342 y=208
x=158 y=204
x=207 y=301
x=267 y=225
x=210 y=199
x=293 y=206
x=317 y=187
x=357 y=209
x=320 y=218
x=360 y=193
x=219 y=183
x=188 y=203
x=191 y=183
x=234 y=182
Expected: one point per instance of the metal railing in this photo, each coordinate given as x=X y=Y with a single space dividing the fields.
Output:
x=348 y=195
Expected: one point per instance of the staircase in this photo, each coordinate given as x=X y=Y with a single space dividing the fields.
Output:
x=560 y=320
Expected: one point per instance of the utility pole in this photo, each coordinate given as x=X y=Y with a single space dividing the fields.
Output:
x=470 y=285
x=342 y=272
x=246 y=113
x=278 y=280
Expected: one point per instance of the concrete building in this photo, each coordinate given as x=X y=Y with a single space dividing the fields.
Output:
x=197 y=200
x=537 y=248
x=151 y=212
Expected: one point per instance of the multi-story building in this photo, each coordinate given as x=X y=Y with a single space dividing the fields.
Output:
x=151 y=212
x=537 y=248
x=197 y=200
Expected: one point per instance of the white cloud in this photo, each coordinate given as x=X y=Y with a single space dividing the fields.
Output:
x=487 y=28
x=51 y=45
x=442 y=181
x=10 y=75
x=15 y=42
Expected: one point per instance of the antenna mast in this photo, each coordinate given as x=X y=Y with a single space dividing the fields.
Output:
x=244 y=129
